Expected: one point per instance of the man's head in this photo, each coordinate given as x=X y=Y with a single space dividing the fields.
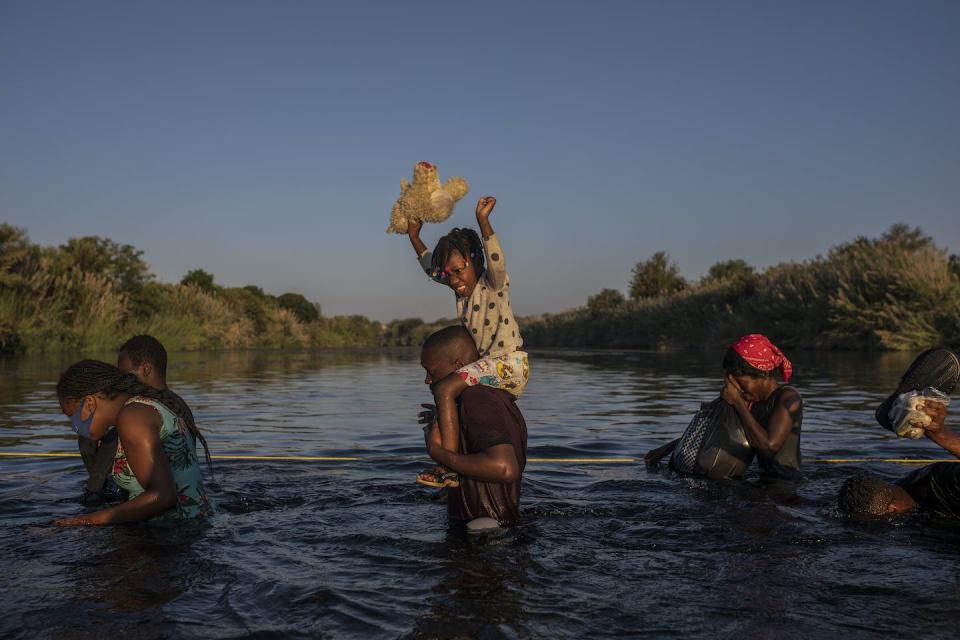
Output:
x=867 y=495
x=446 y=351
x=144 y=357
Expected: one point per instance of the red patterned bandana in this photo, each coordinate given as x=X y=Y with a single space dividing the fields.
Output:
x=759 y=352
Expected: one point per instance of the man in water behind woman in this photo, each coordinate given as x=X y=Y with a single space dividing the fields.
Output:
x=146 y=358
x=139 y=433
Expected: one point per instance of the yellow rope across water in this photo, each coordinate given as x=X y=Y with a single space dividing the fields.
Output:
x=18 y=454
x=6 y=454
x=890 y=460
x=327 y=458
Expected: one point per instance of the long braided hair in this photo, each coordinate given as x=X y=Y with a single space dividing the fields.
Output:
x=89 y=377
x=462 y=240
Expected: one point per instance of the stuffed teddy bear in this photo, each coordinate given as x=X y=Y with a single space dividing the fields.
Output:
x=425 y=199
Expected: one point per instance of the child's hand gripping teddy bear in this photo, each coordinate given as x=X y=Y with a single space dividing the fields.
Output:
x=425 y=199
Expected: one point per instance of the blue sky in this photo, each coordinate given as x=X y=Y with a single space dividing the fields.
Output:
x=264 y=141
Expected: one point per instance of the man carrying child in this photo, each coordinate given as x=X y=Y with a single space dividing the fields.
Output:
x=493 y=438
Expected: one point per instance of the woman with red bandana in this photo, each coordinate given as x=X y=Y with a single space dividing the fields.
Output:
x=771 y=412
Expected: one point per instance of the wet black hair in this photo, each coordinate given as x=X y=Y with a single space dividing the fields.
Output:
x=450 y=342
x=145 y=348
x=864 y=494
x=89 y=377
x=735 y=365
x=464 y=241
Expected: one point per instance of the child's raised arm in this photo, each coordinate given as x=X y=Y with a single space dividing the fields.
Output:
x=413 y=232
x=496 y=271
x=423 y=254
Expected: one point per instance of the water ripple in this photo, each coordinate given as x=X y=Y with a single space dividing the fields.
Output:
x=357 y=550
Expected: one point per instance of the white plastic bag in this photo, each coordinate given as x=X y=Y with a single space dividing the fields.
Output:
x=907 y=416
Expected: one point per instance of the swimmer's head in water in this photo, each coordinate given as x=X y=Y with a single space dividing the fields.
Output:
x=445 y=351
x=867 y=495
x=458 y=261
x=144 y=357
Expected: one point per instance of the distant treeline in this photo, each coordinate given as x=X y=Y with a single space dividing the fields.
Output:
x=92 y=294
x=896 y=292
x=899 y=291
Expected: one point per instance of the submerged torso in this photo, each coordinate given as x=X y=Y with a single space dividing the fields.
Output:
x=935 y=488
x=488 y=417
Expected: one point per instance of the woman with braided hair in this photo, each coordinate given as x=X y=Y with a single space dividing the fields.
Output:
x=156 y=460
x=146 y=358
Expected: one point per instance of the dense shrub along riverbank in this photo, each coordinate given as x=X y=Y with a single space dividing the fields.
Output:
x=898 y=292
x=92 y=293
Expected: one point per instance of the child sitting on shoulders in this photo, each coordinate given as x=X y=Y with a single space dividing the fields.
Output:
x=477 y=274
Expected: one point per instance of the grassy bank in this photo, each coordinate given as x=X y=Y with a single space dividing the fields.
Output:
x=896 y=292
x=91 y=294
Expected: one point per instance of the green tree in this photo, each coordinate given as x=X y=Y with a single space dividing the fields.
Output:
x=655 y=277
x=256 y=291
x=297 y=304
x=895 y=292
x=121 y=264
x=729 y=270
x=898 y=237
x=200 y=279
x=356 y=330
x=954 y=265
x=605 y=301
x=407 y=332
x=907 y=238
x=15 y=253
x=252 y=301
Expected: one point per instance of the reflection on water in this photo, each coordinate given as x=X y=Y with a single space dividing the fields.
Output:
x=359 y=550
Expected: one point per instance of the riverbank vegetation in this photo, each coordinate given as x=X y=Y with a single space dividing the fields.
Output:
x=896 y=292
x=92 y=293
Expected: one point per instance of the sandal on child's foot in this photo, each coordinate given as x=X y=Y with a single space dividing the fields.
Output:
x=438 y=477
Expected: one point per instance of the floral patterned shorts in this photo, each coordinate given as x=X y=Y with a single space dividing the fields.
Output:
x=509 y=372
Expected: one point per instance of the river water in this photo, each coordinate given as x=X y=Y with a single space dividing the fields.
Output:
x=358 y=550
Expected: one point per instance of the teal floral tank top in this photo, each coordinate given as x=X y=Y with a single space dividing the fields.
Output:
x=180 y=447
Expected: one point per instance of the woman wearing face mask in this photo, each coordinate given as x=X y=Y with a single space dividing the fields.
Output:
x=156 y=461
x=771 y=412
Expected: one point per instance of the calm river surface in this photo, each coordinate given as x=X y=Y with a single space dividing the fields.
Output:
x=357 y=550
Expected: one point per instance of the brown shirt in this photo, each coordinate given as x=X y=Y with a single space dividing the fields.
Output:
x=488 y=417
